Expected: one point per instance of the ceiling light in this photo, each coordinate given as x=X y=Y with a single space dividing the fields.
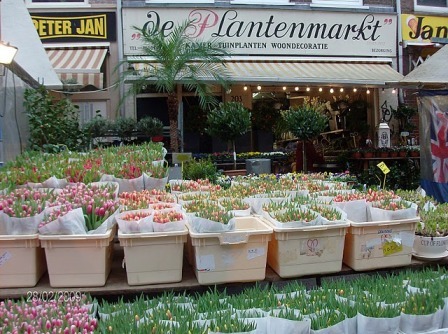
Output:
x=355 y=90
x=320 y=89
x=259 y=87
x=284 y=87
x=331 y=90
x=341 y=89
x=308 y=89
x=368 y=91
x=245 y=88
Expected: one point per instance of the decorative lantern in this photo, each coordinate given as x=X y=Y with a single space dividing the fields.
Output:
x=383 y=135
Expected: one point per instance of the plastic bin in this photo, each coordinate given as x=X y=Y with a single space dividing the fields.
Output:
x=22 y=261
x=380 y=244
x=295 y=252
x=78 y=260
x=154 y=257
x=258 y=166
x=235 y=256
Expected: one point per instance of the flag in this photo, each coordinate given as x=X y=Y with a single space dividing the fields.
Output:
x=439 y=138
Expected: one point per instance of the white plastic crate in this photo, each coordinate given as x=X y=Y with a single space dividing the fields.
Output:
x=380 y=244
x=154 y=257
x=22 y=261
x=235 y=256
x=295 y=252
x=78 y=260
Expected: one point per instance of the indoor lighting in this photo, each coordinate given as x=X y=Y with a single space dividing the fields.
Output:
x=7 y=53
x=341 y=89
x=368 y=91
x=259 y=87
x=320 y=89
x=245 y=88
x=394 y=91
x=284 y=87
x=382 y=90
x=331 y=90
x=354 y=90
x=296 y=89
x=308 y=89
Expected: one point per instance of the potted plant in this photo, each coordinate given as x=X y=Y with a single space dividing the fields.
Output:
x=414 y=151
x=431 y=238
x=229 y=121
x=382 y=152
x=356 y=153
x=368 y=152
x=124 y=127
x=306 y=122
x=393 y=153
x=151 y=127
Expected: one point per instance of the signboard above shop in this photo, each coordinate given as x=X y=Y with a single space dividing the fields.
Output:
x=75 y=27
x=423 y=29
x=271 y=32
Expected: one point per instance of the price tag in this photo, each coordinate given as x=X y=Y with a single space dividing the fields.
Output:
x=392 y=247
x=383 y=167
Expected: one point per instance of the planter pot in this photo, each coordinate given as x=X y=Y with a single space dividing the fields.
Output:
x=414 y=154
x=402 y=154
x=393 y=154
x=430 y=248
x=383 y=154
x=367 y=154
x=356 y=155
x=157 y=139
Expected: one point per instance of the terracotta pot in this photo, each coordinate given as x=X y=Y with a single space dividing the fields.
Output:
x=393 y=154
x=157 y=139
x=414 y=154
x=402 y=154
x=356 y=155
x=368 y=154
x=383 y=154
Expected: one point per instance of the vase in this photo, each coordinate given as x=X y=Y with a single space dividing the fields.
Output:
x=430 y=248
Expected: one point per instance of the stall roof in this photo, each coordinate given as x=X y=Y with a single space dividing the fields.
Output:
x=31 y=62
x=323 y=71
x=432 y=74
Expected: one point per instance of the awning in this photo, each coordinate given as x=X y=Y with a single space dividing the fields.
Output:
x=306 y=71
x=79 y=65
x=31 y=63
x=432 y=74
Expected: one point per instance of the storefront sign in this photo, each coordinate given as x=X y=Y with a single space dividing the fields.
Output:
x=270 y=32
x=421 y=28
x=75 y=27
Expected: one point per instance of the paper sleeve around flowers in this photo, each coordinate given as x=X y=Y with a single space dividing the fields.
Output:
x=379 y=214
x=203 y=225
x=20 y=226
x=135 y=226
x=173 y=226
x=69 y=224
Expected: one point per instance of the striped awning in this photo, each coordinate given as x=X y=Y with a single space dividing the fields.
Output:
x=331 y=71
x=79 y=65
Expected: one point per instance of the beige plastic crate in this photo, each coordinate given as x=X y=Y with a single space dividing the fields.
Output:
x=78 y=260
x=380 y=244
x=235 y=256
x=155 y=257
x=22 y=261
x=295 y=252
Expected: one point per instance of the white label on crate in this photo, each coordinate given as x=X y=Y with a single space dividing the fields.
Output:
x=205 y=262
x=407 y=238
x=253 y=253
x=5 y=258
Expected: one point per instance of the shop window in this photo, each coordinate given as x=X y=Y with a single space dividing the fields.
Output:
x=431 y=5
x=58 y=3
x=338 y=3
x=180 y=1
x=261 y=2
x=88 y=110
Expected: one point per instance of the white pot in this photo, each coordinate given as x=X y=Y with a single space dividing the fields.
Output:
x=430 y=248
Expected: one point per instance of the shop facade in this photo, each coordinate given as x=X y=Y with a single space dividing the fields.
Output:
x=279 y=57
x=82 y=45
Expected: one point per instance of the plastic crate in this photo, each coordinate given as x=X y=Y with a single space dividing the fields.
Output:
x=379 y=244
x=78 y=260
x=154 y=257
x=22 y=261
x=235 y=256
x=295 y=252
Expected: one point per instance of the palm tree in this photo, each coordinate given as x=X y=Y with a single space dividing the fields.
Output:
x=176 y=59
